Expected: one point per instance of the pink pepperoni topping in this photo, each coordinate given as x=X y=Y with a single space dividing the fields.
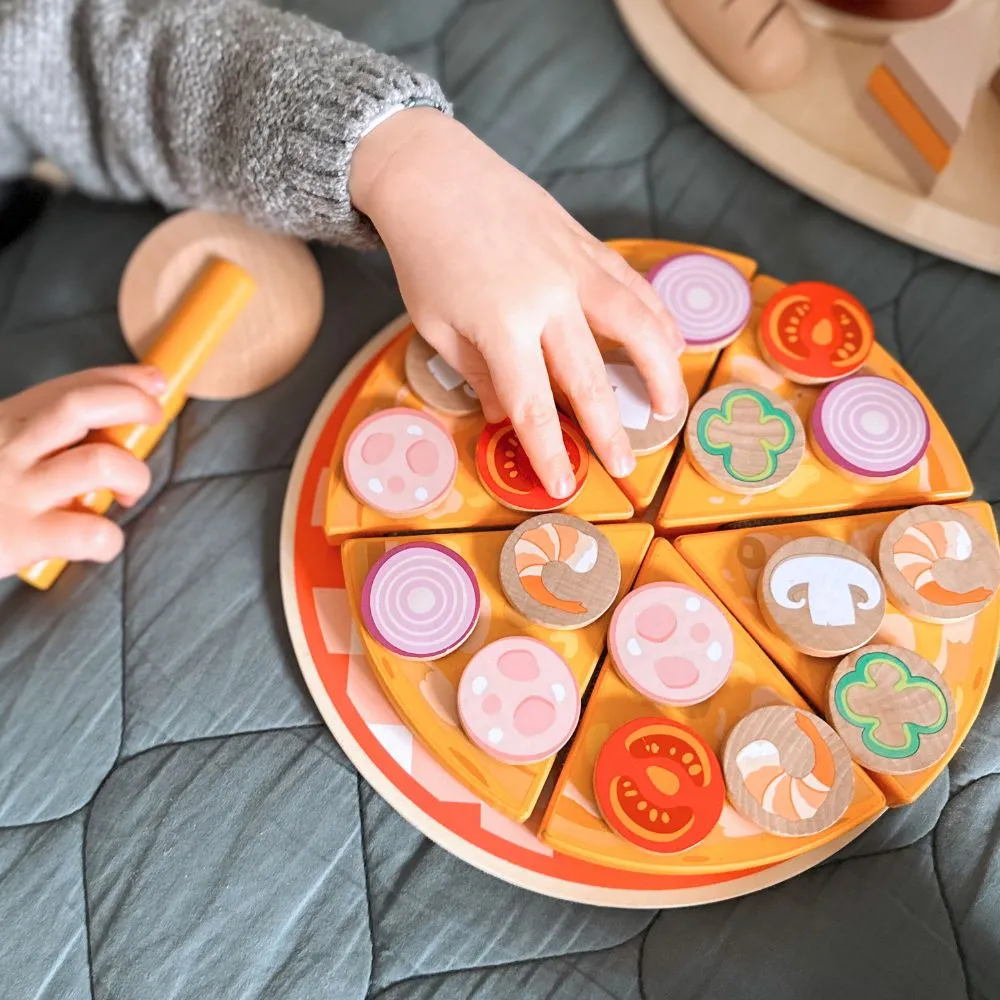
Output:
x=422 y=458
x=700 y=632
x=518 y=665
x=671 y=643
x=676 y=671
x=377 y=448
x=518 y=700
x=401 y=462
x=534 y=716
x=656 y=623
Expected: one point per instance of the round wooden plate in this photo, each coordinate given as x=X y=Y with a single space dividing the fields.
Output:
x=381 y=747
x=834 y=156
x=275 y=330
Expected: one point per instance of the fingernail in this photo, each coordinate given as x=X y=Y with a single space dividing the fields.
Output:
x=622 y=465
x=680 y=345
x=565 y=487
x=157 y=380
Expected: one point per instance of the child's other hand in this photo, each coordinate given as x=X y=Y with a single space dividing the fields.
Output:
x=508 y=287
x=44 y=465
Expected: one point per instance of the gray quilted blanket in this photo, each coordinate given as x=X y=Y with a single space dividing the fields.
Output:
x=175 y=822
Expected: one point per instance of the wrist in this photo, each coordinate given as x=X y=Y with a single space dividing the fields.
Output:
x=385 y=147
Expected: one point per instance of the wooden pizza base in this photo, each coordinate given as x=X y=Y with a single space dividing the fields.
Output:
x=473 y=854
x=275 y=330
x=834 y=156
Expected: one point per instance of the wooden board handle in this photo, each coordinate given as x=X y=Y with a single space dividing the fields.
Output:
x=191 y=333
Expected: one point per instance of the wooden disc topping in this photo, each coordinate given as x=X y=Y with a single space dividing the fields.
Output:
x=709 y=299
x=507 y=475
x=822 y=595
x=435 y=382
x=671 y=643
x=420 y=601
x=401 y=462
x=518 y=700
x=870 y=428
x=647 y=431
x=744 y=438
x=559 y=571
x=812 y=332
x=939 y=564
x=659 y=785
x=788 y=771
x=892 y=708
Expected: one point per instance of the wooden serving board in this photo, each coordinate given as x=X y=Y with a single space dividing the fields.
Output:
x=811 y=136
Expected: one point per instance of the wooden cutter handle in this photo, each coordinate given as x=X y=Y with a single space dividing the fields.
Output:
x=190 y=334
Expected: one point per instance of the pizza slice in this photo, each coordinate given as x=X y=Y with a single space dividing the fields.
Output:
x=424 y=692
x=964 y=652
x=692 y=502
x=573 y=822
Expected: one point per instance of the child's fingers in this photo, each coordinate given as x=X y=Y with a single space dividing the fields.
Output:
x=68 y=419
x=465 y=358
x=78 y=537
x=618 y=314
x=55 y=481
x=620 y=269
x=576 y=364
x=522 y=384
x=150 y=380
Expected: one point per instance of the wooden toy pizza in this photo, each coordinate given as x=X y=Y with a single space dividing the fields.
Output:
x=892 y=708
x=583 y=710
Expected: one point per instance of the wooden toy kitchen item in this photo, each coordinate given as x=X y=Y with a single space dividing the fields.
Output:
x=823 y=597
x=744 y=438
x=186 y=342
x=920 y=98
x=435 y=382
x=938 y=564
x=893 y=709
x=758 y=44
x=271 y=335
x=648 y=432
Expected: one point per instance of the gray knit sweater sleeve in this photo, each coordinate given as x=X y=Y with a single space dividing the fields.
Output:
x=220 y=104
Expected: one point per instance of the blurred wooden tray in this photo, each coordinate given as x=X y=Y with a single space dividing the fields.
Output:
x=811 y=136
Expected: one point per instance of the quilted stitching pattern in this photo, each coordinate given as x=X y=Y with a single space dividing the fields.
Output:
x=174 y=822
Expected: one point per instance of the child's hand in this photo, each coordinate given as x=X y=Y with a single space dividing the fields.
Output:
x=41 y=471
x=508 y=287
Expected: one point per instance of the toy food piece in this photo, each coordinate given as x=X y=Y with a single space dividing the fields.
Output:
x=671 y=643
x=787 y=771
x=759 y=44
x=647 y=431
x=709 y=299
x=271 y=335
x=518 y=700
x=420 y=601
x=812 y=332
x=920 y=99
x=869 y=428
x=744 y=438
x=507 y=475
x=659 y=785
x=938 y=564
x=559 y=571
x=401 y=462
x=822 y=595
x=435 y=382
x=892 y=708
x=192 y=332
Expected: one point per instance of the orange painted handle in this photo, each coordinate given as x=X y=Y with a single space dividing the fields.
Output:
x=190 y=335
